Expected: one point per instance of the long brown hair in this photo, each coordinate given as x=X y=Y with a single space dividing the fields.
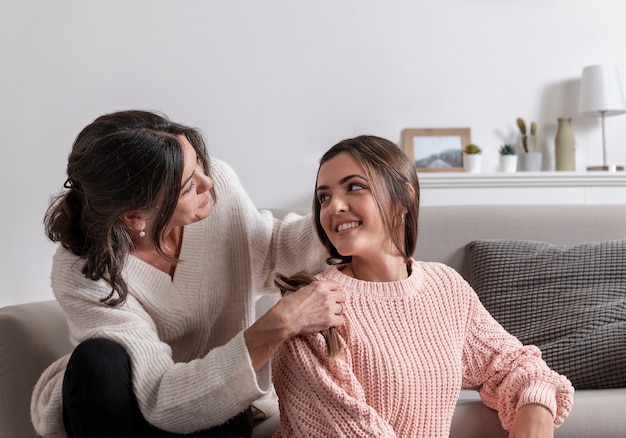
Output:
x=292 y=284
x=122 y=162
x=394 y=183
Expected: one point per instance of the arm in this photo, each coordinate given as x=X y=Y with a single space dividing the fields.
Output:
x=271 y=245
x=178 y=396
x=532 y=421
x=311 y=309
x=319 y=396
x=509 y=375
x=257 y=240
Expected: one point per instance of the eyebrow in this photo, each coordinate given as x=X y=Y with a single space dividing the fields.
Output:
x=343 y=181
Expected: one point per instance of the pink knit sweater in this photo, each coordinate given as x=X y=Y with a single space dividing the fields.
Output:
x=410 y=347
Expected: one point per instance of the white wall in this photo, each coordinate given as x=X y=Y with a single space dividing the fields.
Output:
x=274 y=83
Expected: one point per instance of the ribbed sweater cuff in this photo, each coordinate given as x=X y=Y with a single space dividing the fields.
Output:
x=541 y=393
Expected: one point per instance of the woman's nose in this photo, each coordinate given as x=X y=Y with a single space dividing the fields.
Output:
x=205 y=183
x=338 y=204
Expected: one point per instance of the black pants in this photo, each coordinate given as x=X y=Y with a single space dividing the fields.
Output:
x=98 y=399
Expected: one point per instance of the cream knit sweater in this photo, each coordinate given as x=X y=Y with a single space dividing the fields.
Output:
x=410 y=347
x=191 y=369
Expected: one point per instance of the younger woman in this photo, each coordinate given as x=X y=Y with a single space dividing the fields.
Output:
x=415 y=333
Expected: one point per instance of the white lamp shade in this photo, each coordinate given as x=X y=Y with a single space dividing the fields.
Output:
x=601 y=91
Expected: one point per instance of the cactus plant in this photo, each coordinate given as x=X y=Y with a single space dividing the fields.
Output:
x=529 y=141
x=507 y=149
x=472 y=149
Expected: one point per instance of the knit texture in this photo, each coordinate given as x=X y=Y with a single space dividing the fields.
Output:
x=570 y=301
x=410 y=347
x=191 y=368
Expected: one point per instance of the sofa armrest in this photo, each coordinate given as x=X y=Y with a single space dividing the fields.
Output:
x=32 y=336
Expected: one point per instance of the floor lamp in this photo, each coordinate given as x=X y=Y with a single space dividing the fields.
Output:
x=601 y=95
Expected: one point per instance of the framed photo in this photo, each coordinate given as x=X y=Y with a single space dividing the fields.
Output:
x=436 y=150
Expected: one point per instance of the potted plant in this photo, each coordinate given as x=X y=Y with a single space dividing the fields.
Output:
x=508 y=158
x=472 y=158
x=531 y=159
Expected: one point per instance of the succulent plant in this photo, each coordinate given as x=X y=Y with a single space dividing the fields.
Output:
x=472 y=149
x=507 y=149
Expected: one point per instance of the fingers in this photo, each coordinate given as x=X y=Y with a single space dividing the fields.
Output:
x=317 y=306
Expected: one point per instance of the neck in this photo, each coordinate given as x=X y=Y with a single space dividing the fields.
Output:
x=394 y=269
x=171 y=244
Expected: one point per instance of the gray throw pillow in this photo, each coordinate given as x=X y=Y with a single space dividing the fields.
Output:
x=570 y=301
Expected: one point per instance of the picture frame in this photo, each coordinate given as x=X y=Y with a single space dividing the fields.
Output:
x=436 y=149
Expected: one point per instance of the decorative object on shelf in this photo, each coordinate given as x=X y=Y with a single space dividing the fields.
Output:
x=565 y=145
x=601 y=95
x=532 y=157
x=472 y=158
x=436 y=149
x=508 y=158
x=531 y=161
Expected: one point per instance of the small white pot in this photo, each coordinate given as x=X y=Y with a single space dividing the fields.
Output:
x=472 y=163
x=508 y=163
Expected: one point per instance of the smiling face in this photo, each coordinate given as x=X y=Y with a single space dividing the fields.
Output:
x=194 y=202
x=348 y=213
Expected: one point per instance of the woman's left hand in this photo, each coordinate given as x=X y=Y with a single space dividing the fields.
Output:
x=532 y=421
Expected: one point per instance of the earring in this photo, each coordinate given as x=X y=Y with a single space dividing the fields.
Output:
x=402 y=218
x=142 y=233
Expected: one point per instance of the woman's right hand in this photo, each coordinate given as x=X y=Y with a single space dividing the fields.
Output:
x=312 y=308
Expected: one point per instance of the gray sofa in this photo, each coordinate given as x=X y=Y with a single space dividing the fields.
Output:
x=33 y=335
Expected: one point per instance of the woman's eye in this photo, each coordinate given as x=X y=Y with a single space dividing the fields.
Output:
x=322 y=198
x=188 y=189
x=354 y=186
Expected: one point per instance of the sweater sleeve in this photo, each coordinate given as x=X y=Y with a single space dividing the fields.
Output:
x=274 y=245
x=320 y=396
x=181 y=397
x=507 y=374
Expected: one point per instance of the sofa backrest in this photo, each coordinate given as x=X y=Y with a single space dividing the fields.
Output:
x=444 y=231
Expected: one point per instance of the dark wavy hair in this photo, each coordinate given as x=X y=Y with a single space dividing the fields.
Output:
x=394 y=185
x=121 y=162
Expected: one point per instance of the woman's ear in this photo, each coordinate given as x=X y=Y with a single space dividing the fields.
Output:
x=134 y=220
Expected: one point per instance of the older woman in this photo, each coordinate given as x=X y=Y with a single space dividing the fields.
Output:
x=159 y=253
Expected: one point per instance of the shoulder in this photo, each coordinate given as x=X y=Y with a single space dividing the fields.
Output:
x=330 y=272
x=222 y=173
x=230 y=193
x=70 y=284
x=438 y=269
x=444 y=278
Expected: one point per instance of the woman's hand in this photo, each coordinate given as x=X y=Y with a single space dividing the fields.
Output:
x=311 y=309
x=532 y=421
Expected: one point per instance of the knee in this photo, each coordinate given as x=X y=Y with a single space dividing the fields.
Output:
x=97 y=350
x=98 y=358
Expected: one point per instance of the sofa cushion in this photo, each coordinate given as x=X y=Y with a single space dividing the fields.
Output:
x=570 y=301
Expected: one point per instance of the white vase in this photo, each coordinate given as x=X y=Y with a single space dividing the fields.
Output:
x=508 y=163
x=472 y=162
x=531 y=161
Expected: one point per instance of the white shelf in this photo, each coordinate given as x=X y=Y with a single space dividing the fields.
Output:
x=462 y=188
x=439 y=180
